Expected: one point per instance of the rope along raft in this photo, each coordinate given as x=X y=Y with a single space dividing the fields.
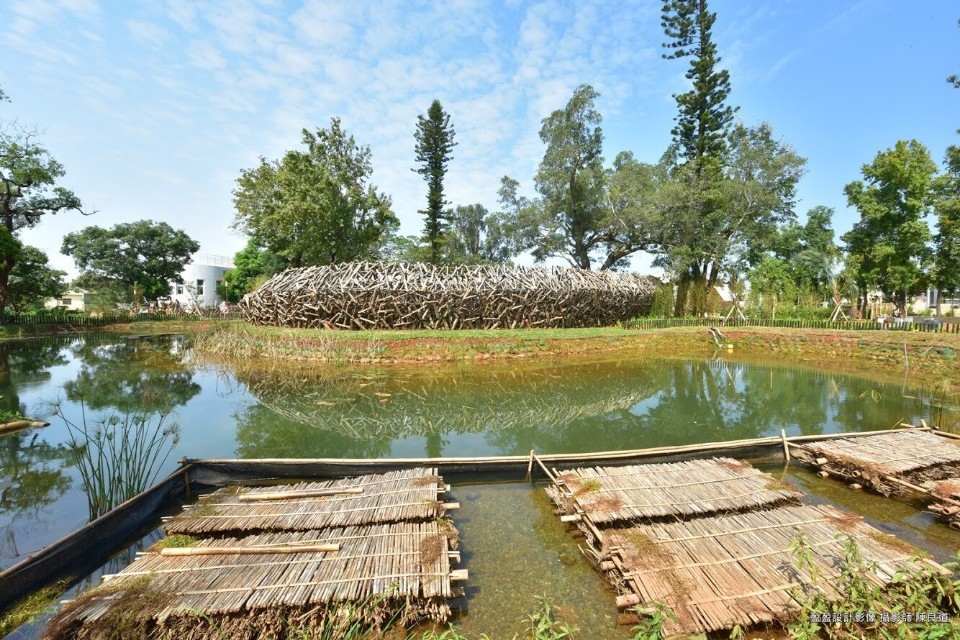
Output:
x=365 y=295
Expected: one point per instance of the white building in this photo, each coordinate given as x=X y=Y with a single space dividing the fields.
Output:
x=201 y=281
x=73 y=300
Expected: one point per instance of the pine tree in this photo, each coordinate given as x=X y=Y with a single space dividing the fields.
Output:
x=704 y=115
x=699 y=136
x=434 y=136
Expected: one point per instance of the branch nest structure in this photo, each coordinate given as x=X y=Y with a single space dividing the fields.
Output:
x=372 y=295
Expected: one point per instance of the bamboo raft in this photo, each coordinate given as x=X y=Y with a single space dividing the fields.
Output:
x=888 y=463
x=711 y=539
x=680 y=489
x=739 y=569
x=947 y=505
x=316 y=563
x=410 y=494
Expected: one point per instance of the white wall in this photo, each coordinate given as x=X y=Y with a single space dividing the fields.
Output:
x=209 y=270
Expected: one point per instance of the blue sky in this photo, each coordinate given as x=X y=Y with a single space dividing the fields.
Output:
x=155 y=106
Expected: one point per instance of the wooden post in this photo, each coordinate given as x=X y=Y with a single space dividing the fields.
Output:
x=530 y=467
x=786 y=449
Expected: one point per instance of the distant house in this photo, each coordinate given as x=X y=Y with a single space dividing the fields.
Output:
x=74 y=300
x=201 y=282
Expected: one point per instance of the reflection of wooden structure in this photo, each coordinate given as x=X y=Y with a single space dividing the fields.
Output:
x=364 y=295
x=712 y=540
x=364 y=550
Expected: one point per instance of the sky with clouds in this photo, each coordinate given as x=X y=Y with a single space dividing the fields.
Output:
x=154 y=106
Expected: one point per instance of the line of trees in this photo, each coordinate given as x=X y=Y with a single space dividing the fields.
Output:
x=719 y=205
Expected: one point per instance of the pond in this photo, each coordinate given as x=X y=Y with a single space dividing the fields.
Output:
x=129 y=407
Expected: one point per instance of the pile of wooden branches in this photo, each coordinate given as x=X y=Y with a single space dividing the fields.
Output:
x=364 y=295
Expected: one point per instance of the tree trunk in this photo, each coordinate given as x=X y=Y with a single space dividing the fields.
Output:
x=683 y=286
x=5 y=268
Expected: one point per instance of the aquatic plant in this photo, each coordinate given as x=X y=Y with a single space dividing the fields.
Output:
x=118 y=454
x=898 y=610
x=31 y=607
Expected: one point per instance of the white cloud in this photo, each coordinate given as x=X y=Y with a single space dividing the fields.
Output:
x=205 y=55
x=147 y=32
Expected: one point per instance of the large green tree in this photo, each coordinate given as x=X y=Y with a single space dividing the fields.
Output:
x=144 y=257
x=252 y=266
x=699 y=137
x=945 y=270
x=723 y=221
x=477 y=236
x=435 y=141
x=28 y=192
x=317 y=206
x=33 y=281
x=889 y=242
x=585 y=212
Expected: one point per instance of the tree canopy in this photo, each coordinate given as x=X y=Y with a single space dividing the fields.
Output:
x=435 y=140
x=477 y=236
x=317 y=206
x=585 y=213
x=33 y=281
x=890 y=240
x=144 y=257
x=28 y=192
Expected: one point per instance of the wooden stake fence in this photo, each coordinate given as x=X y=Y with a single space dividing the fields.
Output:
x=364 y=295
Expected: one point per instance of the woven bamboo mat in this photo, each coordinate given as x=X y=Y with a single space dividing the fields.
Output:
x=896 y=453
x=410 y=494
x=695 y=488
x=734 y=569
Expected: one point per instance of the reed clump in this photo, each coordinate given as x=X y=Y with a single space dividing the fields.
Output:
x=118 y=454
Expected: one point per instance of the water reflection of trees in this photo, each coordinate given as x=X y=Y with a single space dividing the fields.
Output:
x=568 y=408
x=133 y=375
x=120 y=427
x=31 y=468
x=363 y=415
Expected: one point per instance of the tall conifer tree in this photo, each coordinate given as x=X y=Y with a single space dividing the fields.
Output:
x=704 y=116
x=699 y=136
x=434 y=136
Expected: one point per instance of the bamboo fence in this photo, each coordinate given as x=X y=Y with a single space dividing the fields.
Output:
x=738 y=569
x=410 y=494
x=364 y=295
x=888 y=463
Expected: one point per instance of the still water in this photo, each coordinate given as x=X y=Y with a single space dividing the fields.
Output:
x=151 y=384
x=128 y=408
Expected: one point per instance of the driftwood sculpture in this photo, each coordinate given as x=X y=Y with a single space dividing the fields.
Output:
x=364 y=295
